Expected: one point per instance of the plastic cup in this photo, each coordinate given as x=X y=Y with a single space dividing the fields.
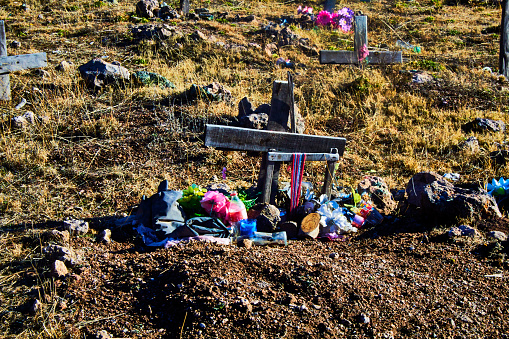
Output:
x=247 y=227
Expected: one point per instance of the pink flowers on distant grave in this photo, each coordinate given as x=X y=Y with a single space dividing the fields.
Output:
x=324 y=18
x=363 y=53
x=342 y=19
x=305 y=10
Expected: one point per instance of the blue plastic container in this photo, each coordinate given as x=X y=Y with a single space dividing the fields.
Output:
x=247 y=227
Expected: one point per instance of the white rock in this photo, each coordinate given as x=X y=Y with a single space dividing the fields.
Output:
x=500 y=236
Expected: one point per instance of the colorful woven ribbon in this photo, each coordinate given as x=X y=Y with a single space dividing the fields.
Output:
x=298 y=161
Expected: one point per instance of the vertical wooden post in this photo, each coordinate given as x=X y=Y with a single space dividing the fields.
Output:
x=329 y=5
x=293 y=118
x=329 y=176
x=503 y=64
x=184 y=6
x=267 y=187
x=5 y=83
x=361 y=33
x=280 y=104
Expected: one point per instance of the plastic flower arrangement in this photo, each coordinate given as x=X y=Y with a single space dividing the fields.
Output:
x=305 y=10
x=342 y=19
x=498 y=188
x=363 y=53
x=190 y=201
x=323 y=18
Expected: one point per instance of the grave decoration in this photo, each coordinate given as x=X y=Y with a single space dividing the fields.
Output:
x=15 y=63
x=203 y=214
x=361 y=52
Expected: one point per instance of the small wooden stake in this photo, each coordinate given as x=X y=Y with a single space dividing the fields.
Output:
x=293 y=118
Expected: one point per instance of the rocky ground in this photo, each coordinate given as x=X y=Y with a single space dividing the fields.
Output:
x=398 y=280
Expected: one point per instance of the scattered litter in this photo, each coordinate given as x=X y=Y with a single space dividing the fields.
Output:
x=452 y=176
x=498 y=187
x=405 y=45
x=285 y=63
x=21 y=104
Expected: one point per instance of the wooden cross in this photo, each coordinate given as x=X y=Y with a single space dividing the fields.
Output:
x=15 y=63
x=278 y=146
x=360 y=39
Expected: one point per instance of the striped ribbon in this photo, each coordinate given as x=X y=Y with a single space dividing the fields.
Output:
x=298 y=161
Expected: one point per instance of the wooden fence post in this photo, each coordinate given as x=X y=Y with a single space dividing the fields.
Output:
x=503 y=64
x=5 y=83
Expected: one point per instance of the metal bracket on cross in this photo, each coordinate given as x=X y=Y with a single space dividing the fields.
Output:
x=14 y=63
x=360 y=40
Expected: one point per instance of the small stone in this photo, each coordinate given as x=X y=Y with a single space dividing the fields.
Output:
x=202 y=326
x=346 y=322
x=105 y=236
x=65 y=66
x=333 y=255
x=41 y=73
x=245 y=107
x=271 y=49
x=451 y=323
x=23 y=121
x=469 y=145
x=58 y=269
x=463 y=230
x=15 y=44
x=103 y=334
x=62 y=305
x=363 y=319
x=497 y=235
x=290 y=299
x=197 y=35
x=483 y=125
x=98 y=73
x=57 y=252
x=267 y=217
x=145 y=8
x=244 y=305
x=34 y=306
x=78 y=227
x=466 y=319
x=247 y=243
x=303 y=308
x=255 y=121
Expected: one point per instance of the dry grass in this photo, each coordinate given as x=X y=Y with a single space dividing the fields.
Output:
x=100 y=152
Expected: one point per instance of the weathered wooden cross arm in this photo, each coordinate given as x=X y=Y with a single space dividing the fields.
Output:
x=15 y=63
x=280 y=145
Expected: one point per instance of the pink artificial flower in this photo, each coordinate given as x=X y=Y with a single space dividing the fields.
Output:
x=299 y=9
x=363 y=53
x=307 y=10
x=334 y=20
x=323 y=18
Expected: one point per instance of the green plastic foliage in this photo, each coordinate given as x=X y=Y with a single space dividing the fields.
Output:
x=190 y=201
